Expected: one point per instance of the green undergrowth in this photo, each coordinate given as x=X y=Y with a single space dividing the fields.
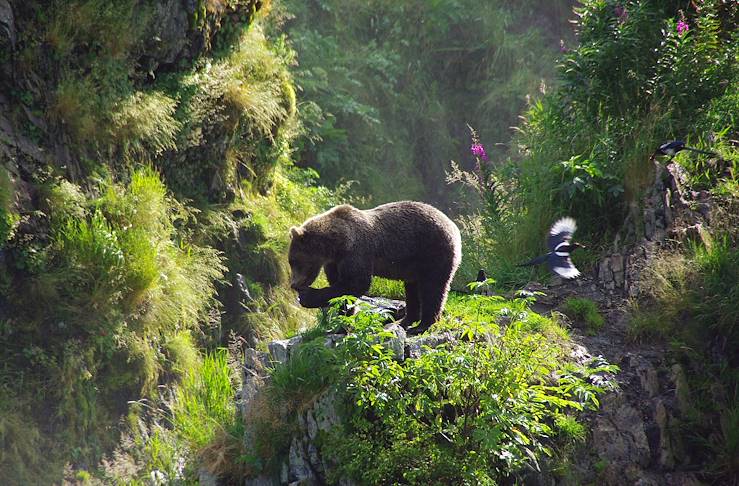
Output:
x=156 y=231
x=100 y=306
x=693 y=307
x=499 y=399
x=182 y=430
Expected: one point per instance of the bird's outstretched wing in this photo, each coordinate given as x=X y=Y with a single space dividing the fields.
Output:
x=562 y=266
x=561 y=232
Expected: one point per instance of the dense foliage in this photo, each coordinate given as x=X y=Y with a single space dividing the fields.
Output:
x=388 y=87
x=147 y=186
x=643 y=73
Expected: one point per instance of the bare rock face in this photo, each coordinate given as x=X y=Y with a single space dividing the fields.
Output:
x=668 y=209
x=8 y=35
x=619 y=438
x=168 y=38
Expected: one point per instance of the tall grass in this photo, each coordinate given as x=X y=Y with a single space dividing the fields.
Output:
x=692 y=305
x=204 y=403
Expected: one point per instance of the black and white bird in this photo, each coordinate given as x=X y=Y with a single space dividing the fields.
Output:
x=560 y=246
x=484 y=288
x=670 y=149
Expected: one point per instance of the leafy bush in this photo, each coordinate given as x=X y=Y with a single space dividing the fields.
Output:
x=475 y=410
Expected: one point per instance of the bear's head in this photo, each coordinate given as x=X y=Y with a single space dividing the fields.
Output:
x=304 y=257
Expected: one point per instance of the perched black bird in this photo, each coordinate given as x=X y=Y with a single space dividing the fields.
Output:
x=560 y=247
x=670 y=149
x=483 y=289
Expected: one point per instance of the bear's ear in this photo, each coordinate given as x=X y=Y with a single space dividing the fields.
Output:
x=296 y=232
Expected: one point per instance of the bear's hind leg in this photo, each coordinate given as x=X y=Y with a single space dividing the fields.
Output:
x=433 y=297
x=412 y=305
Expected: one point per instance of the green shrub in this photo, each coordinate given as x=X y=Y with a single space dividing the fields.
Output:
x=8 y=217
x=476 y=410
x=583 y=150
x=446 y=406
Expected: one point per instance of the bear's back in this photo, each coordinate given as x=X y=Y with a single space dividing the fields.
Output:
x=413 y=230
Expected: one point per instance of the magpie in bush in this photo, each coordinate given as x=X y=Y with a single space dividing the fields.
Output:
x=484 y=288
x=670 y=149
x=560 y=247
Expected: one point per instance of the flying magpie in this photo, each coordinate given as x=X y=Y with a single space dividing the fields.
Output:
x=560 y=246
x=671 y=149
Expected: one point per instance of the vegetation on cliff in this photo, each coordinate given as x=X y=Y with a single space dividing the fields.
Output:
x=146 y=190
x=498 y=395
x=153 y=155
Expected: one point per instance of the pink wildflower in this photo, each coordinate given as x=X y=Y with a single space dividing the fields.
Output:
x=479 y=151
x=682 y=27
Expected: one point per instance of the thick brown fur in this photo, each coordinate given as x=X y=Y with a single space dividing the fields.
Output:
x=406 y=240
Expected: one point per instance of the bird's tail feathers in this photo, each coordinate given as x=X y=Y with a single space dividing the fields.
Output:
x=700 y=151
x=535 y=261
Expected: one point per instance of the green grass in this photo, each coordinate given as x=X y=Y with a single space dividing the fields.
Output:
x=204 y=401
x=586 y=311
x=391 y=289
x=310 y=369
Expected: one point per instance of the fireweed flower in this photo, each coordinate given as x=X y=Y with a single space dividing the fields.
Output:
x=478 y=151
x=682 y=27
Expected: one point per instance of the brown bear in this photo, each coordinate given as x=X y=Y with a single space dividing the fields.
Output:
x=406 y=240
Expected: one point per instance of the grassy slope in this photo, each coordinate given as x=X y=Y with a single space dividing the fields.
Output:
x=119 y=256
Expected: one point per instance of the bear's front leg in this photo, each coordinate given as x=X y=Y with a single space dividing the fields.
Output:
x=349 y=278
x=313 y=298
